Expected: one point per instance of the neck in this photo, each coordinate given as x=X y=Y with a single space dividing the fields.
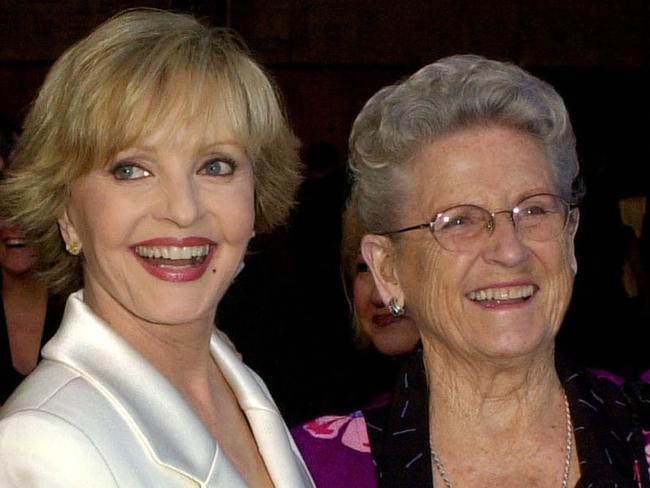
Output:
x=496 y=393
x=25 y=285
x=180 y=351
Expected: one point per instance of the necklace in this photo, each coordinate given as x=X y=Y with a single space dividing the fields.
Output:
x=437 y=463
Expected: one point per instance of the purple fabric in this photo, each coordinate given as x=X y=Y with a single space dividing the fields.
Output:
x=601 y=373
x=336 y=451
x=645 y=377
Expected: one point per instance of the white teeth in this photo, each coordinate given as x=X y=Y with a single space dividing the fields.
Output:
x=506 y=293
x=173 y=252
x=15 y=242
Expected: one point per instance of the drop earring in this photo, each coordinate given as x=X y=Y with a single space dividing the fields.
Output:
x=396 y=310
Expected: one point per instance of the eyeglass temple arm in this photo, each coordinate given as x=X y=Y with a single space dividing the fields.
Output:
x=406 y=229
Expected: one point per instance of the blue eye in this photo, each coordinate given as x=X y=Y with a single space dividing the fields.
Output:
x=218 y=167
x=129 y=171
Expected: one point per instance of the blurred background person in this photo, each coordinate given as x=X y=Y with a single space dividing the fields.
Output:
x=28 y=317
x=372 y=322
x=155 y=150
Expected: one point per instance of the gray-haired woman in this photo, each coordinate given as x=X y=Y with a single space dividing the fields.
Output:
x=464 y=184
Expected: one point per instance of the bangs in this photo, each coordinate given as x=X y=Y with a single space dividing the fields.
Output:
x=181 y=92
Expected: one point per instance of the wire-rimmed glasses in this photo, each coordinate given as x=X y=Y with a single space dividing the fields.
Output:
x=466 y=228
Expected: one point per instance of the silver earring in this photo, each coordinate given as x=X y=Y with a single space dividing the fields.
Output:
x=396 y=310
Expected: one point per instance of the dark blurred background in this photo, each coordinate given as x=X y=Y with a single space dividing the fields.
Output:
x=287 y=312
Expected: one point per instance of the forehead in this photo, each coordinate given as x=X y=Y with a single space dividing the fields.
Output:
x=203 y=128
x=177 y=117
x=489 y=166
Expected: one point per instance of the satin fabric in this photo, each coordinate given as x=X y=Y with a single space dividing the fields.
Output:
x=95 y=413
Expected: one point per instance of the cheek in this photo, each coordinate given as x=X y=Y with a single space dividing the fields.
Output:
x=98 y=225
x=361 y=292
x=560 y=273
x=361 y=297
x=429 y=284
x=236 y=211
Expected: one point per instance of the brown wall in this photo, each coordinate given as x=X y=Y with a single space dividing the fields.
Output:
x=329 y=55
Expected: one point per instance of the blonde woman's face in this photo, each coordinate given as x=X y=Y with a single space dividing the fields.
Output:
x=494 y=168
x=164 y=226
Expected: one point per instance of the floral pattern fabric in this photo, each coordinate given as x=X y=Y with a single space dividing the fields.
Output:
x=354 y=433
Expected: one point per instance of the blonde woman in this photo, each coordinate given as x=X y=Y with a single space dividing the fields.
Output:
x=155 y=150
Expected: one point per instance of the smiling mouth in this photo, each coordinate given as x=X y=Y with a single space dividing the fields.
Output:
x=15 y=242
x=173 y=256
x=502 y=295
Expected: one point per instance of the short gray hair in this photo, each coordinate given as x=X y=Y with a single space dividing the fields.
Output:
x=453 y=93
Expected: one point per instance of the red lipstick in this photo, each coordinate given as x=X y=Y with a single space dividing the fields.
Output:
x=176 y=271
x=384 y=320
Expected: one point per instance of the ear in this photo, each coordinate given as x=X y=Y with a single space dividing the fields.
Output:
x=68 y=231
x=379 y=254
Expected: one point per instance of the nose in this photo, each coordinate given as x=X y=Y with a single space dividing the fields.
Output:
x=8 y=228
x=504 y=246
x=182 y=203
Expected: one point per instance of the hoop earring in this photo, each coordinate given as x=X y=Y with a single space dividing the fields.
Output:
x=396 y=310
x=73 y=248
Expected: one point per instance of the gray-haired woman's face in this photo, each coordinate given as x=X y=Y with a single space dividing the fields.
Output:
x=505 y=298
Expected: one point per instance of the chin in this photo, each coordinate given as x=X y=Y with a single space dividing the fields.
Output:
x=176 y=313
x=19 y=265
x=394 y=342
x=174 y=307
x=515 y=347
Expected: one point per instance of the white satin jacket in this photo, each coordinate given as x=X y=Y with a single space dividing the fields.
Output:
x=95 y=413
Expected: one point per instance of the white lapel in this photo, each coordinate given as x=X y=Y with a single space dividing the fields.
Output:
x=145 y=397
x=280 y=455
x=138 y=391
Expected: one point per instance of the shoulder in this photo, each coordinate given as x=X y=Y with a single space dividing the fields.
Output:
x=27 y=456
x=53 y=387
x=610 y=415
x=45 y=382
x=336 y=450
x=55 y=429
x=603 y=393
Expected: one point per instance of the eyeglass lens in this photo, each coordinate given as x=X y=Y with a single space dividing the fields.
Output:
x=466 y=227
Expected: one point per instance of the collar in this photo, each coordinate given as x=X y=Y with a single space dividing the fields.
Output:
x=145 y=397
x=283 y=462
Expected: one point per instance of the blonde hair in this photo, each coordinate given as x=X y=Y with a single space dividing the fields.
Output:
x=115 y=87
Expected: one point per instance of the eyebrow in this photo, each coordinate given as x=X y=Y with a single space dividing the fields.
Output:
x=521 y=196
